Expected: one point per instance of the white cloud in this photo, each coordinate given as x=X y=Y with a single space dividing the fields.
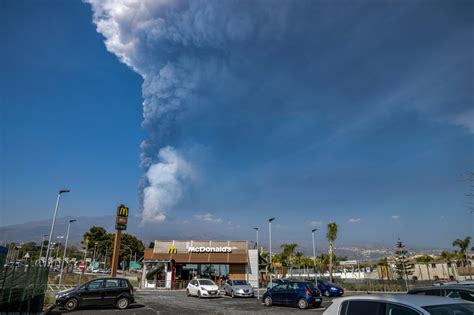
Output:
x=354 y=220
x=395 y=217
x=208 y=217
x=165 y=186
x=465 y=120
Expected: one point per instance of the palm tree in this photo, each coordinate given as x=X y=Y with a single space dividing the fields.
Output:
x=447 y=257
x=331 y=236
x=463 y=246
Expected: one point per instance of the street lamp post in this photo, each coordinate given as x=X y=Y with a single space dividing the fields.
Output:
x=41 y=250
x=314 y=259
x=270 y=246
x=64 y=254
x=258 y=266
x=53 y=223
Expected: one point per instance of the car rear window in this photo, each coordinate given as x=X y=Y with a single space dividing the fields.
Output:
x=364 y=308
x=451 y=309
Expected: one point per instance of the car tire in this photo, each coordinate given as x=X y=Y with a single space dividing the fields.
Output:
x=232 y=295
x=187 y=292
x=326 y=293
x=268 y=301
x=302 y=304
x=71 y=304
x=199 y=294
x=122 y=303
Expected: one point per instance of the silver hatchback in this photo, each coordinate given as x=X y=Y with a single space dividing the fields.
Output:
x=239 y=288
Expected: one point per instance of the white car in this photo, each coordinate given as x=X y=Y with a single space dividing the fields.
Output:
x=202 y=288
x=398 y=304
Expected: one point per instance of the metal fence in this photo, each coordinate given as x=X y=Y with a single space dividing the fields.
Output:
x=22 y=288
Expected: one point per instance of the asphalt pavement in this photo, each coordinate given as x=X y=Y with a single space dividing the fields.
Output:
x=176 y=302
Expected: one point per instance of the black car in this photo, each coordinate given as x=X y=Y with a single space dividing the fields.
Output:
x=97 y=292
x=451 y=291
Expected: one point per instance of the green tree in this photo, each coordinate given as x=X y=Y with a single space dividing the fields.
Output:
x=463 y=245
x=331 y=236
x=288 y=252
x=402 y=266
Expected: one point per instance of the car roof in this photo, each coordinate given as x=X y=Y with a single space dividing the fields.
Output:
x=418 y=300
x=444 y=287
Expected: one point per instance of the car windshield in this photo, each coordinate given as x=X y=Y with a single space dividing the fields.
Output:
x=206 y=282
x=239 y=282
x=451 y=309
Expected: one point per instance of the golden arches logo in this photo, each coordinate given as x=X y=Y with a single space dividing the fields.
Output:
x=122 y=211
x=172 y=249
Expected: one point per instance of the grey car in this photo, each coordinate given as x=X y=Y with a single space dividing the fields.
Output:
x=456 y=291
x=239 y=288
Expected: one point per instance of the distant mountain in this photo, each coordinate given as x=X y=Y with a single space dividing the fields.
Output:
x=34 y=230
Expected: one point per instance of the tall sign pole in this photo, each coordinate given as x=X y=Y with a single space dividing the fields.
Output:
x=120 y=225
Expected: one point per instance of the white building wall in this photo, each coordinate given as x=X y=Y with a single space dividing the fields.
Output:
x=252 y=268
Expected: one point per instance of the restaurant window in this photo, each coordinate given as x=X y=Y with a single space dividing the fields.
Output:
x=433 y=265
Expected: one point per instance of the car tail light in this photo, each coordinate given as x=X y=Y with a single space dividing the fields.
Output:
x=308 y=292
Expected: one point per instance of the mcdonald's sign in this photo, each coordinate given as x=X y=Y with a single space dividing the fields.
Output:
x=122 y=211
x=172 y=249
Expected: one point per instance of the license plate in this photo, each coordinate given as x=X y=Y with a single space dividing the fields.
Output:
x=213 y=292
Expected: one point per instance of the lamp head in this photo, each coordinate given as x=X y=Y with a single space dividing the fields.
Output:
x=255 y=228
x=271 y=219
x=314 y=230
x=74 y=220
x=64 y=191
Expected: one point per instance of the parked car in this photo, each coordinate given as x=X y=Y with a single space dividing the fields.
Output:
x=202 y=288
x=329 y=289
x=301 y=293
x=398 y=304
x=238 y=288
x=97 y=292
x=456 y=291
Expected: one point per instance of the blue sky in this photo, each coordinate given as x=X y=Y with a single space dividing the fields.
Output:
x=305 y=111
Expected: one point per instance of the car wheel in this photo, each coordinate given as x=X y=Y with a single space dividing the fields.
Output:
x=268 y=301
x=302 y=304
x=326 y=293
x=187 y=292
x=232 y=294
x=199 y=294
x=122 y=303
x=71 y=304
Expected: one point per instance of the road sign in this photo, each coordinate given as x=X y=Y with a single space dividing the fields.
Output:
x=122 y=211
x=122 y=220
x=120 y=227
x=81 y=266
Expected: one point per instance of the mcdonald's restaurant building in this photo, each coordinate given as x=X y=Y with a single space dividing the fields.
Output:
x=172 y=263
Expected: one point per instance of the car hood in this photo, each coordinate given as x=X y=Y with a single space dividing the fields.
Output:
x=63 y=292
x=210 y=287
x=242 y=287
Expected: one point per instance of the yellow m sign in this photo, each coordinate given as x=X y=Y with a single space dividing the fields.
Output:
x=172 y=249
x=122 y=211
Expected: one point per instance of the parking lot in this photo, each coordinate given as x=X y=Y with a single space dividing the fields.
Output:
x=176 y=302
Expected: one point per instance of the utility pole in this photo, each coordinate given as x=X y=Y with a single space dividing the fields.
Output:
x=258 y=266
x=41 y=251
x=270 y=245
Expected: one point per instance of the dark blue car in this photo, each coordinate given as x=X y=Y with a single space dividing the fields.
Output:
x=301 y=293
x=329 y=289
